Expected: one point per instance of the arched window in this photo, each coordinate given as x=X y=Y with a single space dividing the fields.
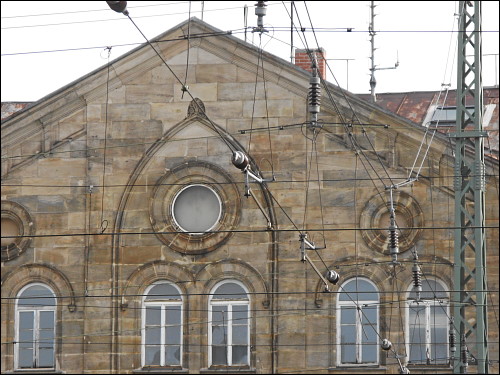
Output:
x=357 y=323
x=162 y=326
x=229 y=325
x=35 y=327
x=427 y=328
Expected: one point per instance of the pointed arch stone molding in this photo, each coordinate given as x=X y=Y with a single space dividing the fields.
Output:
x=374 y=221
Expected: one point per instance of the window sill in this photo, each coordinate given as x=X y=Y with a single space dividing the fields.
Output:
x=161 y=370
x=230 y=369
x=356 y=369
x=34 y=371
x=430 y=368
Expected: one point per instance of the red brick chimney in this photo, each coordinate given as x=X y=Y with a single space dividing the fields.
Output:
x=303 y=61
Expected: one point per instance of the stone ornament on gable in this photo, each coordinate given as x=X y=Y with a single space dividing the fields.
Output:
x=196 y=108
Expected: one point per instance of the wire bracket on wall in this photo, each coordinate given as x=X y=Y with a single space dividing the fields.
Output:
x=240 y=161
x=331 y=276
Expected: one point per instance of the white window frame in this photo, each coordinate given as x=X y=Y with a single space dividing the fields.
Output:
x=229 y=304
x=175 y=201
x=359 y=330
x=163 y=304
x=36 y=330
x=428 y=303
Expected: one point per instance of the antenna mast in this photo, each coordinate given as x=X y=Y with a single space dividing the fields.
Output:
x=371 y=28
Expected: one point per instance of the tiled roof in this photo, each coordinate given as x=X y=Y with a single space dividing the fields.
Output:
x=416 y=107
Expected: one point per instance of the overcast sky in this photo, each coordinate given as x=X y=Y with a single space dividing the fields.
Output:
x=421 y=35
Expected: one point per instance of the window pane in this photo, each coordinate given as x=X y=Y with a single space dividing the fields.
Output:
x=46 y=358
x=153 y=335
x=173 y=355
x=162 y=292
x=240 y=335
x=37 y=295
x=240 y=355
x=197 y=209
x=417 y=316
x=369 y=315
x=26 y=319
x=153 y=315
x=432 y=289
x=348 y=315
x=46 y=337
x=26 y=338
x=219 y=355
x=438 y=316
x=348 y=335
x=439 y=340
x=173 y=315
x=369 y=335
x=219 y=315
x=46 y=319
x=417 y=346
x=230 y=291
x=173 y=335
x=240 y=314
x=348 y=341
x=369 y=354
x=26 y=332
x=219 y=335
x=358 y=290
x=26 y=358
x=369 y=343
x=152 y=356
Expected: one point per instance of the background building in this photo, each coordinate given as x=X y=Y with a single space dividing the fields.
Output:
x=134 y=241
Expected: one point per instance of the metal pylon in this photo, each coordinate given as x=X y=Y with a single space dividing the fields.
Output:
x=469 y=298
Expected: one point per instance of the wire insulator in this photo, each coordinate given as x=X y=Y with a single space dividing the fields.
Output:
x=386 y=344
x=240 y=160
x=463 y=354
x=452 y=338
x=118 y=6
x=332 y=277
x=314 y=94
x=417 y=280
x=393 y=242
x=260 y=12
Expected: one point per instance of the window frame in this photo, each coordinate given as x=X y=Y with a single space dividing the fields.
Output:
x=428 y=304
x=440 y=116
x=229 y=303
x=176 y=220
x=36 y=328
x=162 y=304
x=358 y=324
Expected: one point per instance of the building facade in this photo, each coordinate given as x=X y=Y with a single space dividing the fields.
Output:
x=196 y=225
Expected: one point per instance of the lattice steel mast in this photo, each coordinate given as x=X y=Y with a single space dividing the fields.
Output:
x=469 y=183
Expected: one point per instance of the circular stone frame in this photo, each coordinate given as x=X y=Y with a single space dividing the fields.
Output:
x=171 y=184
x=21 y=217
x=406 y=210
